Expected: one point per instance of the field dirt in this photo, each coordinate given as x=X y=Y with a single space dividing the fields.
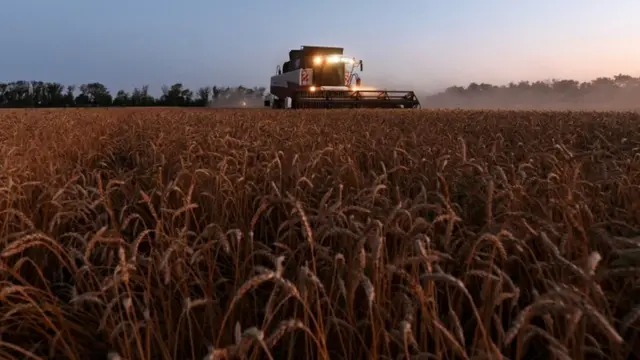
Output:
x=221 y=234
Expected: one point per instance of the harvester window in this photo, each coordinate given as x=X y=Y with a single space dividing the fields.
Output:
x=329 y=74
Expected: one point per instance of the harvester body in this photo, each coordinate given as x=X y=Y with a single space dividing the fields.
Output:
x=323 y=77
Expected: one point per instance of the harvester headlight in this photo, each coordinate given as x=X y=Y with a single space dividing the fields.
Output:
x=317 y=60
x=312 y=89
x=334 y=59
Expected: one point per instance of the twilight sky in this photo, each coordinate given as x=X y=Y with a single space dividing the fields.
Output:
x=423 y=44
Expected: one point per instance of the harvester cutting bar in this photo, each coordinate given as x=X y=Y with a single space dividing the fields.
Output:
x=356 y=99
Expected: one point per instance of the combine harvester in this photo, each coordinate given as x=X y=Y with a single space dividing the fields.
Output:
x=323 y=77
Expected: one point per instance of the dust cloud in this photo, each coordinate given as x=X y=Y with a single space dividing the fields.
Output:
x=621 y=93
x=238 y=101
x=567 y=95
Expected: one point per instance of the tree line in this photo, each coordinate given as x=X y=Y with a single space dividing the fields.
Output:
x=617 y=91
x=620 y=92
x=53 y=94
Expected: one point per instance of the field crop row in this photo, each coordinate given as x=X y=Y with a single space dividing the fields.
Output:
x=221 y=234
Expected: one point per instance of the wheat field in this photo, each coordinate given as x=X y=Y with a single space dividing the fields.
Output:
x=253 y=234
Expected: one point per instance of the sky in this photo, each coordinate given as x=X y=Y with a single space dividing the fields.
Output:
x=427 y=45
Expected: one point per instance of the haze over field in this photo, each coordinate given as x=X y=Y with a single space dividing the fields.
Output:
x=422 y=45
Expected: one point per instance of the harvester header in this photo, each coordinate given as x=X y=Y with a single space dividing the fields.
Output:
x=324 y=77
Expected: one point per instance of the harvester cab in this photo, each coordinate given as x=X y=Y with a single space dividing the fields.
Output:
x=323 y=77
